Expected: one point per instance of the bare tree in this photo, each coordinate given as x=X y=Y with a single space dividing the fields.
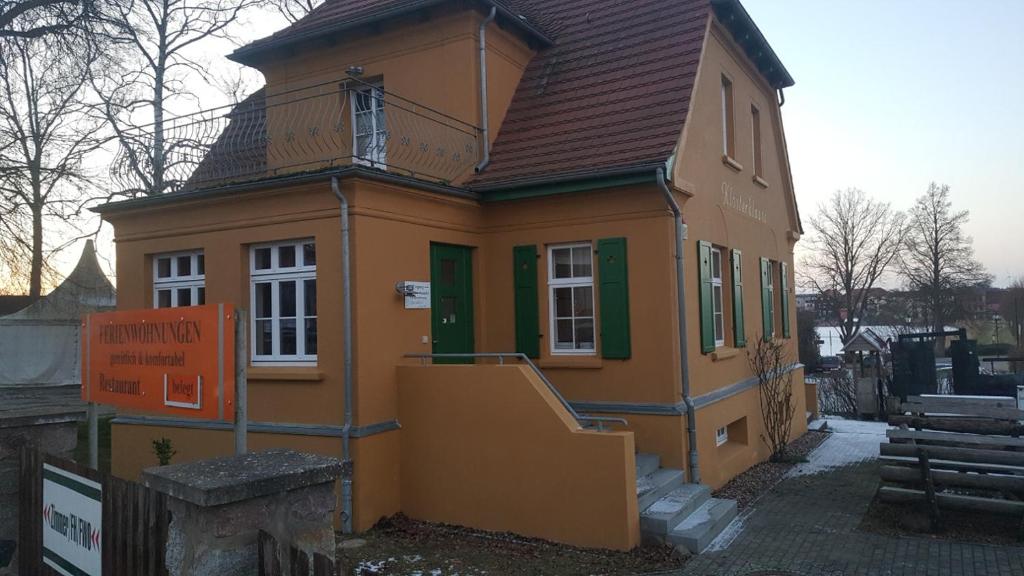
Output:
x=1012 y=310
x=46 y=135
x=38 y=18
x=295 y=10
x=855 y=242
x=937 y=259
x=150 y=71
x=770 y=363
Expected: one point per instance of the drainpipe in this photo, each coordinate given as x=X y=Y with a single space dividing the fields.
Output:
x=346 y=305
x=684 y=365
x=484 y=122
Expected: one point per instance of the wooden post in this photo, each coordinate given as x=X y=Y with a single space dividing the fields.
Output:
x=241 y=383
x=929 y=490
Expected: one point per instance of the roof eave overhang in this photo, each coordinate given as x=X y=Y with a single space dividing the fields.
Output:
x=227 y=190
x=748 y=36
x=567 y=182
x=251 y=54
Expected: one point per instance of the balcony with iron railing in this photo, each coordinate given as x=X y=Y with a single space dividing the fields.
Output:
x=328 y=125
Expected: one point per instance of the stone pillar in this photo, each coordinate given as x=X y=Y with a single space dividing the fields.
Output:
x=218 y=506
x=50 y=431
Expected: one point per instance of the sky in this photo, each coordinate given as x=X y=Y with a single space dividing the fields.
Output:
x=890 y=95
x=893 y=94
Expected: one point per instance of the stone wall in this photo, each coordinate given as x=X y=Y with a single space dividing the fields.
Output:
x=55 y=434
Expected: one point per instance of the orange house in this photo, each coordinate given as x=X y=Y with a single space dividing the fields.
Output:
x=505 y=259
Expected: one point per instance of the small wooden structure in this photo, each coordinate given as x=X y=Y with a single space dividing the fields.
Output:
x=956 y=452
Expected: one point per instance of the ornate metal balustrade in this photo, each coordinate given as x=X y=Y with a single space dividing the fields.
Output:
x=312 y=128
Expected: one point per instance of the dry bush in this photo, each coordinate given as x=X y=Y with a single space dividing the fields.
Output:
x=770 y=362
x=837 y=393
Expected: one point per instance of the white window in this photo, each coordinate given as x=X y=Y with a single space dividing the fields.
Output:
x=283 y=301
x=717 y=305
x=721 y=435
x=370 y=132
x=179 y=279
x=571 y=298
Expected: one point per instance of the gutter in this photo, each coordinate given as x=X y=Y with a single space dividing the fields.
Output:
x=684 y=365
x=346 y=299
x=275 y=182
x=484 y=113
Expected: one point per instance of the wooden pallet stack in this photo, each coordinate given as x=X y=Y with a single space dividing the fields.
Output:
x=956 y=452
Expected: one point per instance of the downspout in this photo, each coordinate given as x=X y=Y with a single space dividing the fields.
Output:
x=782 y=98
x=684 y=364
x=346 y=311
x=484 y=121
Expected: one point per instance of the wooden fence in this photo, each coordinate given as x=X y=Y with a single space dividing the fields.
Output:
x=134 y=527
x=956 y=452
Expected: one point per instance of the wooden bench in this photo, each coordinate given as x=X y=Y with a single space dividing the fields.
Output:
x=957 y=442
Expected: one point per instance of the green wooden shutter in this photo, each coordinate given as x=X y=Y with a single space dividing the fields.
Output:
x=707 y=315
x=613 y=275
x=784 y=309
x=766 y=300
x=739 y=336
x=527 y=309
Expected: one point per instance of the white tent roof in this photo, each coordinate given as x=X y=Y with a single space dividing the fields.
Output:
x=85 y=290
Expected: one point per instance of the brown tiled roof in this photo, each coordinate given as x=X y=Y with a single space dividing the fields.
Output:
x=609 y=90
x=334 y=16
x=613 y=91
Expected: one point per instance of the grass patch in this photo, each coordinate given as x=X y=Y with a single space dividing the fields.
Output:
x=82 y=448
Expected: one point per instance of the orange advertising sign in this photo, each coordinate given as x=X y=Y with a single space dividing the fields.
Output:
x=173 y=361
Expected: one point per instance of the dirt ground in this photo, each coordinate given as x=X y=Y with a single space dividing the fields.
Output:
x=749 y=486
x=960 y=526
x=401 y=546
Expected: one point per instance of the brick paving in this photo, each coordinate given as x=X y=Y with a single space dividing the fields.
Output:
x=807 y=526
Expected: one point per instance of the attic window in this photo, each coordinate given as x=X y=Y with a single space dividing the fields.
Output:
x=728 y=122
x=755 y=121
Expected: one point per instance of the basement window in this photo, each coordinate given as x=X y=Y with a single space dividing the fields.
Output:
x=283 y=301
x=721 y=435
x=571 y=298
x=179 y=279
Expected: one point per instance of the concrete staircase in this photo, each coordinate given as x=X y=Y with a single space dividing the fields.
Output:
x=674 y=512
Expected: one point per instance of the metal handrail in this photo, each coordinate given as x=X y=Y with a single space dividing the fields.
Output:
x=580 y=418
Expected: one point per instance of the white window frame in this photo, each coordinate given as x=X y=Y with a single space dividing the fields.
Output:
x=721 y=435
x=274 y=276
x=194 y=281
x=576 y=282
x=377 y=156
x=717 y=311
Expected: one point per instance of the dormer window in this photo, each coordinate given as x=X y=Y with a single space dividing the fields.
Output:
x=370 y=132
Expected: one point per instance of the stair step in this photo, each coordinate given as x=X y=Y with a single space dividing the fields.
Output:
x=700 y=528
x=669 y=510
x=651 y=487
x=647 y=463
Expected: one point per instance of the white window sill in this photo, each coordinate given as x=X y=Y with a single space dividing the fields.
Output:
x=724 y=353
x=760 y=181
x=571 y=361
x=731 y=163
x=294 y=373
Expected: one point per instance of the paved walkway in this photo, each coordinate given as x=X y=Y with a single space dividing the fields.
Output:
x=807 y=525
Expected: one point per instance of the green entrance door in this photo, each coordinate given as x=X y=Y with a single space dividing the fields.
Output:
x=451 y=301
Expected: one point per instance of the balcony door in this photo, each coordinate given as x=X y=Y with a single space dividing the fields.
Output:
x=370 y=133
x=451 y=301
